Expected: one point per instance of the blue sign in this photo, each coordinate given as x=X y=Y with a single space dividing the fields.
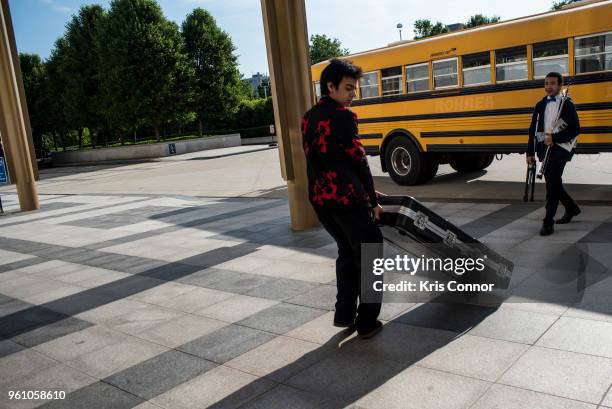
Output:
x=3 y=173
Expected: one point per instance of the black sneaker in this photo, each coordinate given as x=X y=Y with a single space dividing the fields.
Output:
x=547 y=230
x=567 y=217
x=370 y=330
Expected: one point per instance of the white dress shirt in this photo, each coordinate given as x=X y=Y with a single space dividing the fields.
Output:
x=550 y=114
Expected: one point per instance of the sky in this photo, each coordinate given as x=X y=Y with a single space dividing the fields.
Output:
x=359 y=24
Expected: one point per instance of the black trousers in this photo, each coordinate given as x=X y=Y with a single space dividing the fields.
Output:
x=555 y=192
x=350 y=228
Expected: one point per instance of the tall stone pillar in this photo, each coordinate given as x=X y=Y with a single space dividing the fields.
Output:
x=289 y=65
x=14 y=122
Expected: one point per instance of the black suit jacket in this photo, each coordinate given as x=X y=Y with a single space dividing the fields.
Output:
x=569 y=115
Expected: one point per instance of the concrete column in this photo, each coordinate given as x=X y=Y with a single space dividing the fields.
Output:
x=289 y=65
x=14 y=124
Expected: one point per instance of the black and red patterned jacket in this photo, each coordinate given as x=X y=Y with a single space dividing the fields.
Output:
x=338 y=171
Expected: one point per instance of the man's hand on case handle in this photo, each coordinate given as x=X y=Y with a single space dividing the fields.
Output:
x=378 y=209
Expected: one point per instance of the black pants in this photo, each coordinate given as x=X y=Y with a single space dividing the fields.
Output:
x=555 y=192
x=350 y=228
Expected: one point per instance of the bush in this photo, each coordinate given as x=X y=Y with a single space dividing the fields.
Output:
x=254 y=113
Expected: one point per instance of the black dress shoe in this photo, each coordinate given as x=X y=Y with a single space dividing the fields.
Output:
x=343 y=321
x=370 y=330
x=567 y=217
x=547 y=230
x=344 y=324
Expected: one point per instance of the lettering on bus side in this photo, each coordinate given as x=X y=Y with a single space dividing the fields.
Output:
x=441 y=53
x=467 y=103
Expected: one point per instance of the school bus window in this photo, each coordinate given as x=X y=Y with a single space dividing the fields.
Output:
x=593 y=53
x=550 y=56
x=417 y=77
x=445 y=73
x=317 y=89
x=477 y=69
x=511 y=64
x=391 y=81
x=368 y=84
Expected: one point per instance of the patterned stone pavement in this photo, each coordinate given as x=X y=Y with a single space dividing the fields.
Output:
x=136 y=301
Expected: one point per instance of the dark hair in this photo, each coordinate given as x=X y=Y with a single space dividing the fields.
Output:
x=335 y=71
x=556 y=75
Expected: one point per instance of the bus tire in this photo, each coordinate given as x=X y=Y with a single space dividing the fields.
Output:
x=405 y=164
x=471 y=162
x=489 y=158
x=430 y=168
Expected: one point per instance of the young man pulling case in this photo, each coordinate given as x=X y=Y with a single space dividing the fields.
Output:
x=341 y=190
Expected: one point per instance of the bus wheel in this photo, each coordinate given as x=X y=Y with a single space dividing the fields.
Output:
x=471 y=162
x=430 y=167
x=405 y=164
x=489 y=158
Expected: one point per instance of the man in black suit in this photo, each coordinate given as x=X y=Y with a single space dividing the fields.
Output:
x=560 y=135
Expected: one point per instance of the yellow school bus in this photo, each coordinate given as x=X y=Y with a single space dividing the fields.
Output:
x=462 y=97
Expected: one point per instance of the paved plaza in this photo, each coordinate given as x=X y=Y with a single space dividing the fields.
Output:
x=192 y=291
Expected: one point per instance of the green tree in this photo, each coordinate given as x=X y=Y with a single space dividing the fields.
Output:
x=324 y=48
x=246 y=90
x=141 y=64
x=52 y=117
x=479 y=20
x=424 y=28
x=180 y=93
x=33 y=73
x=82 y=87
x=263 y=89
x=217 y=84
x=558 y=5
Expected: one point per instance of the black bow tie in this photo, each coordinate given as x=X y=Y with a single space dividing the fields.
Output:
x=550 y=99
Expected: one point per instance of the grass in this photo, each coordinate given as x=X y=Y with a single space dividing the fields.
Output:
x=130 y=142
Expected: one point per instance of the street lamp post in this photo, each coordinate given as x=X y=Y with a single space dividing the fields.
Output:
x=399 y=27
